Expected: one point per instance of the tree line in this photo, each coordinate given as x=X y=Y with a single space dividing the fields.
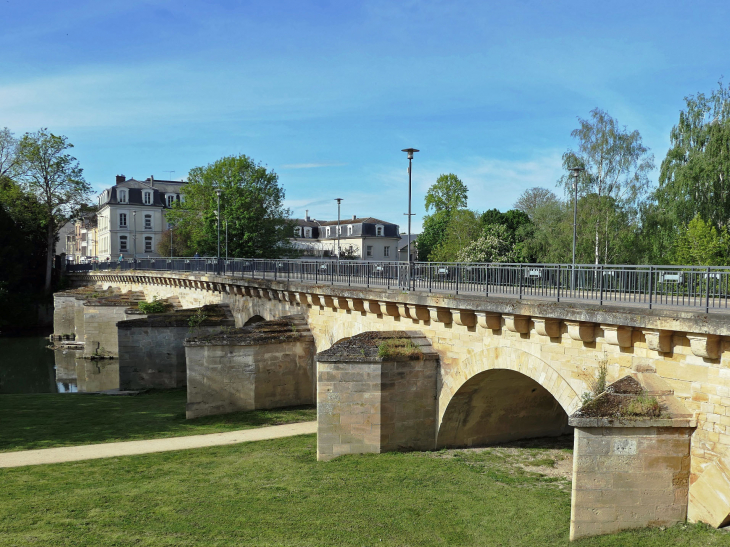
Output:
x=621 y=218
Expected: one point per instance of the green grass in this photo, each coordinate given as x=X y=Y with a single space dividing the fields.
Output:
x=49 y=420
x=276 y=493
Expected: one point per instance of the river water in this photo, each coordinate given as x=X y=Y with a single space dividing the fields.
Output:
x=27 y=366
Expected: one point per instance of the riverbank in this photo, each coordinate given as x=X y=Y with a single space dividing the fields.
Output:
x=33 y=421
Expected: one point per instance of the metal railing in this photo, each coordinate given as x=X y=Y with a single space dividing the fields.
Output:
x=649 y=286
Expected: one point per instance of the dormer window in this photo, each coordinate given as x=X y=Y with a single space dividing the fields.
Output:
x=339 y=230
x=307 y=232
x=298 y=231
x=379 y=230
x=328 y=231
x=349 y=229
x=170 y=199
x=147 y=197
x=122 y=196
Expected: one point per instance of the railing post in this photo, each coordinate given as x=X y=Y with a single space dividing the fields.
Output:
x=707 y=298
x=486 y=280
x=457 y=278
x=651 y=283
x=367 y=268
x=558 y=283
x=520 y=274
x=600 y=301
x=316 y=272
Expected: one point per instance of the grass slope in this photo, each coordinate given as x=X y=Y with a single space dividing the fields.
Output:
x=49 y=420
x=276 y=493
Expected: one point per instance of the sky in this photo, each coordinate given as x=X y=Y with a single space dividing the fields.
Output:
x=328 y=93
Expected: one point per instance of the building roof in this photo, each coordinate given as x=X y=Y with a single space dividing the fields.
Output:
x=343 y=222
x=403 y=243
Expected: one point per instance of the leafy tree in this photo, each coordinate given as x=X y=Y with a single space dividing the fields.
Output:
x=434 y=233
x=252 y=201
x=616 y=166
x=534 y=198
x=519 y=229
x=695 y=175
x=463 y=228
x=701 y=244
x=494 y=245
x=8 y=155
x=447 y=194
x=181 y=244
x=55 y=179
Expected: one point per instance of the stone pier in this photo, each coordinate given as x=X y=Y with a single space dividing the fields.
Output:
x=376 y=392
x=151 y=348
x=266 y=365
x=100 y=318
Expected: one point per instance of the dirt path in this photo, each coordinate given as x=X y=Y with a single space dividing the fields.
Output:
x=131 y=448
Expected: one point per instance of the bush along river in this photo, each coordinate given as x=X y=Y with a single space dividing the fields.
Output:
x=28 y=366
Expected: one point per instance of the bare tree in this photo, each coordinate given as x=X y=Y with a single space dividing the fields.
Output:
x=8 y=154
x=534 y=198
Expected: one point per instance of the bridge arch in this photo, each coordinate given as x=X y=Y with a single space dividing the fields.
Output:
x=503 y=394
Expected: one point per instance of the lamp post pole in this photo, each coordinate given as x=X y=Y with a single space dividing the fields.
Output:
x=410 y=152
x=339 y=201
x=226 y=239
x=218 y=220
x=575 y=173
x=134 y=225
x=171 y=227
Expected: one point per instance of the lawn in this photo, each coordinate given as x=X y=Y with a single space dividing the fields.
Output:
x=48 y=420
x=276 y=493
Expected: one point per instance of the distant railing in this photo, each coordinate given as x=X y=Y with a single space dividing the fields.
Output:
x=650 y=286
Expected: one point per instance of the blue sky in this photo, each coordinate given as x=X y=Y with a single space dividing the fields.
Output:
x=328 y=93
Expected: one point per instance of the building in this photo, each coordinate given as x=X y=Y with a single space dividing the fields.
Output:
x=85 y=238
x=131 y=217
x=403 y=247
x=360 y=238
x=66 y=240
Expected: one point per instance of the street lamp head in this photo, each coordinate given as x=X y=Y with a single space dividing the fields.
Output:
x=575 y=171
x=410 y=152
x=218 y=192
x=338 y=200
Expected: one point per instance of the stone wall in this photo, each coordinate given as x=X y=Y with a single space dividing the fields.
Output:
x=64 y=313
x=629 y=477
x=368 y=403
x=100 y=329
x=266 y=365
x=152 y=351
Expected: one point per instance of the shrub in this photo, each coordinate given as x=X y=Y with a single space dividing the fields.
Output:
x=398 y=347
x=156 y=306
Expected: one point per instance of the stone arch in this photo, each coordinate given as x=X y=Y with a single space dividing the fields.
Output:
x=501 y=394
x=253 y=320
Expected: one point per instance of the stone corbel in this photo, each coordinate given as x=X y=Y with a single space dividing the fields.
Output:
x=273 y=295
x=372 y=307
x=580 y=330
x=341 y=303
x=439 y=315
x=517 y=323
x=329 y=302
x=705 y=345
x=403 y=311
x=489 y=320
x=617 y=335
x=356 y=304
x=292 y=298
x=389 y=308
x=303 y=300
x=547 y=327
x=315 y=300
x=465 y=318
x=421 y=313
x=658 y=340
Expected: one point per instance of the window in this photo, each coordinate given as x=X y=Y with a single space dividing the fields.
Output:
x=379 y=230
x=339 y=230
x=370 y=250
x=328 y=231
x=123 y=244
x=349 y=229
x=148 y=244
x=298 y=231
x=122 y=196
x=147 y=198
x=386 y=251
x=307 y=232
x=122 y=220
x=170 y=199
x=148 y=222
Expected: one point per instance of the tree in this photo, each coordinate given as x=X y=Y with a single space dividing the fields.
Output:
x=8 y=155
x=434 y=232
x=55 y=179
x=181 y=245
x=534 y=198
x=252 y=202
x=701 y=244
x=616 y=166
x=494 y=245
x=695 y=175
x=447 y=194
x=463 y=228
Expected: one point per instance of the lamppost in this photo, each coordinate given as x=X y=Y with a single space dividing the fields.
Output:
x=171 y=228
x=134 y=226
x=575 y=173
x=410 y=152
x=226 y=221
x=218 y=220
x=338 y=200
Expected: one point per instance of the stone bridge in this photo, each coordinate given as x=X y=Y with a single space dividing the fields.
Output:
x=509 y=369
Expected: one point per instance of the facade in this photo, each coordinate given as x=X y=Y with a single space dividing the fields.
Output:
x=131 y=217
x=403 y=247
x=360 y=238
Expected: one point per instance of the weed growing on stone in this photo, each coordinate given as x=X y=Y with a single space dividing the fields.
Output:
x=195 y=320
x=156 y=306
x=643 y=405
x=398 y=347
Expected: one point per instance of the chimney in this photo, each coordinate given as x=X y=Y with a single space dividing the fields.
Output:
x=354 y=217
x=306 y=215
x=152 y=180
x=120 y=178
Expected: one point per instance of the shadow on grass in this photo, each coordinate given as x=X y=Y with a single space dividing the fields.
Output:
x=49 y=420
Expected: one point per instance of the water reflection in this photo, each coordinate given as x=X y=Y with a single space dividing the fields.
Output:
x=27 y=366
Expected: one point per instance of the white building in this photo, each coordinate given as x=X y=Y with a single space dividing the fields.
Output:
x=360 y=238
x=131 y=217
